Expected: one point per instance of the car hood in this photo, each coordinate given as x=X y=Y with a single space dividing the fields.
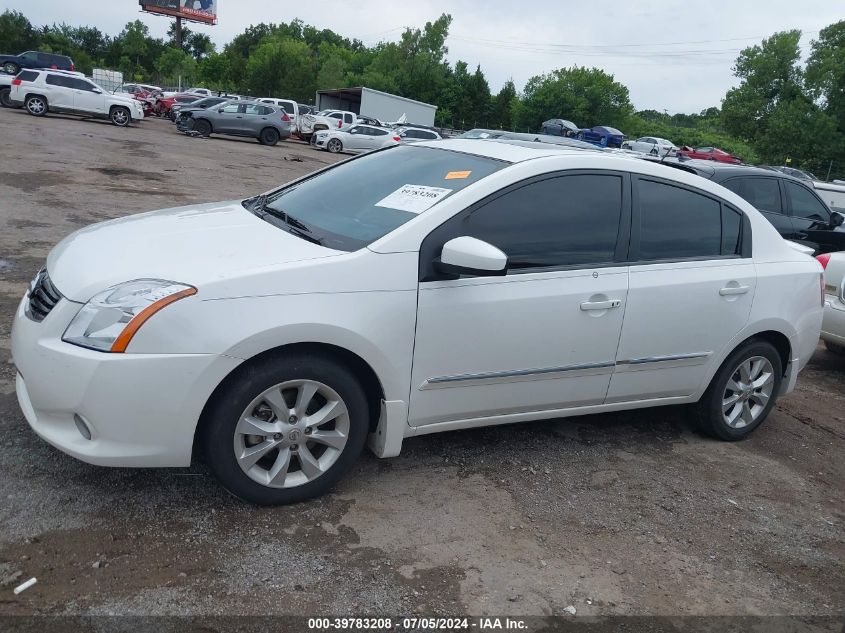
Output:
x=195 y=245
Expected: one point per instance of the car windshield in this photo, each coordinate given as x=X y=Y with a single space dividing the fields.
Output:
x=613 y=130
x=360 y=200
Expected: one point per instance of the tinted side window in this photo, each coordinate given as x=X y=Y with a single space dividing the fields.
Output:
x=27 y=75
x=377 y=132
x=805 y=204
x=762 y=193
x=566 y=220
x=676 y=223
x=731 y=231
x=59 y=80
x=81 y=84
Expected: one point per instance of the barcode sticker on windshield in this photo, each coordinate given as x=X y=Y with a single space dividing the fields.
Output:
x=414 y=198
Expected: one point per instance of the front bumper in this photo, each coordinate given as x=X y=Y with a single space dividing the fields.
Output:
x=141 y=409
x=320 y=141
x=833 y=324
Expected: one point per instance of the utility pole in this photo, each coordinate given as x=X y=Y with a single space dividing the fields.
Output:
x=179 y=32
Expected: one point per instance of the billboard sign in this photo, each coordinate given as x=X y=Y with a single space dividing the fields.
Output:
x=196 y=10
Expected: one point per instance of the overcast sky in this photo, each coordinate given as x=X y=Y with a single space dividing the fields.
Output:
x=672 y=55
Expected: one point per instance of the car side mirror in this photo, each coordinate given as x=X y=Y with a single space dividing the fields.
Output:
x=220 y=110
x=470 y=256
x=836 y=219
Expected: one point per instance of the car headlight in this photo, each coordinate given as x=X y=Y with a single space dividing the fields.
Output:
x=111 y=318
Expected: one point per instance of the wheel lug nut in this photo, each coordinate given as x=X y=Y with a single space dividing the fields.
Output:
x=308 y=431
x=277 y=436
x=294 y=447
x=292 y=419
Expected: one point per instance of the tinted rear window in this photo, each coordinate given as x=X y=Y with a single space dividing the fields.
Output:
x=347 y=207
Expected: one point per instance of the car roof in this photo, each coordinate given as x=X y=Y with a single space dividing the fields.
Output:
x=512 y=151
x=718 y=172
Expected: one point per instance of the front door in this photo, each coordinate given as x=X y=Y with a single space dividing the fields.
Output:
x=229 y=119
x=544 y=336
x=811 y=219
x=87 y=97
x=692 y=283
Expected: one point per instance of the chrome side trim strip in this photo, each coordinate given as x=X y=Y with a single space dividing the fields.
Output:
x=517 y=373
x=662 y=359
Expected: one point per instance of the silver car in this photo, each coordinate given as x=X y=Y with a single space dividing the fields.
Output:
x=358 y=138
x=652 y=145
x=262 y=121
x=412 y=133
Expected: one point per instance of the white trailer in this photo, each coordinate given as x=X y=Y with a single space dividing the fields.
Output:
x=377 y=104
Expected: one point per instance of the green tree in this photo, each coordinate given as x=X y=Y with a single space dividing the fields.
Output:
x=503 y=106
x=176 y=67
x=16 y=32
x=282 y=68
x=587 y=96
x=133 y=42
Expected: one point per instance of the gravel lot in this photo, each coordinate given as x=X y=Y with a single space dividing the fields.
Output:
x=614 y=514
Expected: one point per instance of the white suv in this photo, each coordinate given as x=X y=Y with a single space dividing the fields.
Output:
x=418 y=289
x=42 y=91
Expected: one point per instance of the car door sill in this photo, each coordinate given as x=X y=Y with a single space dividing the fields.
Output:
x=531 y=416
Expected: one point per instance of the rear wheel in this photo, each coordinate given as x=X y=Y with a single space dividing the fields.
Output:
x=286 y=429
x=36 y=105
x=120 y=116
x=742 y=392
x=268 y=136
x=580 y=136
x=835 y=348
x=334 y=146
x=11 y=68
x=202 y=127
x=6 y=98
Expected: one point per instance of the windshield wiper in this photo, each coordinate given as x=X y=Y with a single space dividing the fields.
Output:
x=258 y=205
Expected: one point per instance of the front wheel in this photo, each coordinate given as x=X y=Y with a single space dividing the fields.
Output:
x=120 y=116
x=202 y=127
x=6 y=98
x=286 y=429
x=742 y=392
x=334 y=146
x=11 y=68
x=36 y=105
x=268 y=136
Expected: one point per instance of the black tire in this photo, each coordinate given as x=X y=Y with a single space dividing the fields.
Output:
x=218 y=430
x=834 y=348
x=120 y=116
x=580 y=136
x=6 y=98
x=36 y=105
x=269 y=136
x=312 y=140
x=202 y=127
x=334 y=146
x=11 y=68
x=709 y=409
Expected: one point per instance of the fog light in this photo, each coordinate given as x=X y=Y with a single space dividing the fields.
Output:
x=82 y=427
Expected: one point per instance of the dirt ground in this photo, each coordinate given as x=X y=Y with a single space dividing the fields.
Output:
x=629 y=513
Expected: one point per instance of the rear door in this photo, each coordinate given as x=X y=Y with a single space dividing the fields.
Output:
x=765 y=195
x=692 y=282
x=60 y=89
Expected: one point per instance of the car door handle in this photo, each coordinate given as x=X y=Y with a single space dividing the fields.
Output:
x=734 y=290
x=601 y=305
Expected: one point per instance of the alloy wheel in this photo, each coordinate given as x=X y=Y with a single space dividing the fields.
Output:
x=120 y=117
x=748 y=391
x=291 y=434
x=334 y=146
x=35 y=106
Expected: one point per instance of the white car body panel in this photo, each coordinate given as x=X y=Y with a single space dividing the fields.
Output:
x=833 y=326
x=260 y=288
x=355 y=143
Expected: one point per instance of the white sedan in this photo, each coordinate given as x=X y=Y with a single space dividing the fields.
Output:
x=833 y=326
x=652 y=145
x=358 y=138
x=424 y=288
